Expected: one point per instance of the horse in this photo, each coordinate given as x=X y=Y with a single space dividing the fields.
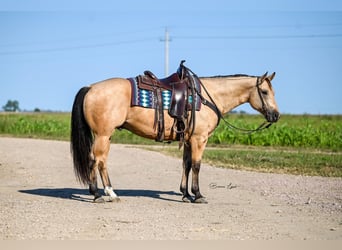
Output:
x=101 y=108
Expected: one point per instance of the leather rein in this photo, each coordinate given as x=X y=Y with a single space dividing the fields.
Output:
x=212 y=105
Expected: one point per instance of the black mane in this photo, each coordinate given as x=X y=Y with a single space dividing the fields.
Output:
x=232 y=76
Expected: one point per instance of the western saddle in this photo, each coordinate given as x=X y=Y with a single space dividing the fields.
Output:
x=182 y=85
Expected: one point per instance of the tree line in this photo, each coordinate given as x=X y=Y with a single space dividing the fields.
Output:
x=11 y=106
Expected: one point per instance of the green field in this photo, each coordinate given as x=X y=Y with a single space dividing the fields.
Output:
x=297 y=144
x=298 y=131
x=55 y=126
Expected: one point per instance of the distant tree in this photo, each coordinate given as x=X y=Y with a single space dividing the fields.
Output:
x=36 y=110
x=11 y=106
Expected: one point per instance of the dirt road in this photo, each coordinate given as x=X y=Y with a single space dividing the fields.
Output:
x=41 y=199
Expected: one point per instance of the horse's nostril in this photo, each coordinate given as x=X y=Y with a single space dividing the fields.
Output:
x=272 y=116
x=276 y=116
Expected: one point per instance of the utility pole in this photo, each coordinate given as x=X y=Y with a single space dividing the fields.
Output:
x=166 y=40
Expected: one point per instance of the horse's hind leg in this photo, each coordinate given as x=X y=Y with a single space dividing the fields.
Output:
x=93 y=189
x=101 y=150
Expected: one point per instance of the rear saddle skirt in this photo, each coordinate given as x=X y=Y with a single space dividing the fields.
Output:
x=179 y=94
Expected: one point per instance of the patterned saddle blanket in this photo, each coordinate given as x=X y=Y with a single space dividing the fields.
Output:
x=147 y=98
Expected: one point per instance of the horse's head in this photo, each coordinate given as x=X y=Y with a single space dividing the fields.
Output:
x=262 y=98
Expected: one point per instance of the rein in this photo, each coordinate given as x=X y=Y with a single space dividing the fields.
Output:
x=212 y=105
x=262 y=126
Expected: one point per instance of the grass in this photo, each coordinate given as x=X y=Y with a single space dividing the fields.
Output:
x=54 y=126
x=297 y=144
x=298 y=131
x=275 y=160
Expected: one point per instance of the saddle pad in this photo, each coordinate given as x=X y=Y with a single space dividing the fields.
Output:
x=147 y=99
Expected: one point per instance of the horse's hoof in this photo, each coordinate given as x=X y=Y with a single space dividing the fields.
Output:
x=187 y=199
x=200 y=200
x=99 y=200
x=116 y=199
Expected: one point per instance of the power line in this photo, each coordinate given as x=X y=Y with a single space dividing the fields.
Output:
x=260 y=37
x=78 y=38
x=167 y=39
x=73 y=47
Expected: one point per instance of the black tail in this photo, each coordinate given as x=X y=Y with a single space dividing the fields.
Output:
x=81 y=139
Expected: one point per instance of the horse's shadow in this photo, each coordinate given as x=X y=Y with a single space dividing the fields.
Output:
x=84 y=196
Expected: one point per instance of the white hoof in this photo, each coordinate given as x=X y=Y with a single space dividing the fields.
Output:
x=112 y=195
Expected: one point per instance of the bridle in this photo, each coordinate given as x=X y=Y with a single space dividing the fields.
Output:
x=211 y=104
x=263 y=104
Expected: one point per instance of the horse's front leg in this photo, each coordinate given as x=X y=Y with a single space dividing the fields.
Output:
x=186 y=170
x=198 y=146
x=199 y=198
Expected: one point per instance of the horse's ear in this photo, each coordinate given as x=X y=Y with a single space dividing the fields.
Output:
x=262 y=78
x=270 y=77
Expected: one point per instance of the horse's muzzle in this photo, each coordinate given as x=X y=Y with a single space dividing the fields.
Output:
x=272 y=116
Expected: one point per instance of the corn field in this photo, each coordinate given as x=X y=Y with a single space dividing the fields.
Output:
x=307 y=131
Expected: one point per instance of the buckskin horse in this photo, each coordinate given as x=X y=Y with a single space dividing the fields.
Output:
x=101 y=108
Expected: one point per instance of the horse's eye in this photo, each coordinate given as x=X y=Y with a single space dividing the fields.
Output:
x=264 y=92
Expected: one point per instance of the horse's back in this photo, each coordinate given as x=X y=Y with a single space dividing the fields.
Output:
x=111 y=85
x=106 y=104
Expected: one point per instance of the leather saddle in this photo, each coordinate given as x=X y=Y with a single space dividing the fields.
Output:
x=178 y=87
x=181 y=87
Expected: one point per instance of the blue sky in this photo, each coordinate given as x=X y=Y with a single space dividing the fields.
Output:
x=50 y=49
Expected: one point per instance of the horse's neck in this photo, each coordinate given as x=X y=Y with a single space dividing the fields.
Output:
x=229 y=92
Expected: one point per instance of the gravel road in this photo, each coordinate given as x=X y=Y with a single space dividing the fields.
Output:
x=41 y=199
